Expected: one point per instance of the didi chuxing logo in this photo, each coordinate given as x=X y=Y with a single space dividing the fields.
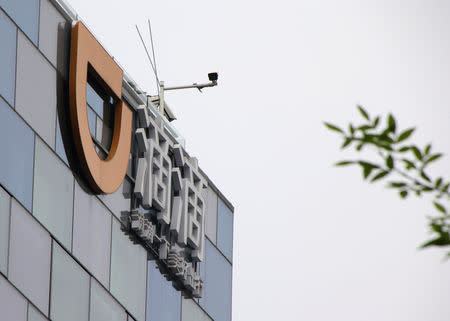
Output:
x=168 y=199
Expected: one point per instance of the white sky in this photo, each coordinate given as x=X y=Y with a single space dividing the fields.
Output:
x=312 y=242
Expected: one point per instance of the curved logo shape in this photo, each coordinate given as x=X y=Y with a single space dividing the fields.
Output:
x=86 y=53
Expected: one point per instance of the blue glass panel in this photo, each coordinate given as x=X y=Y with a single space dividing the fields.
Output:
x=94 y=100
x=25 y=14
x=60 y=144
x=225 y=230
x=17 y=157
x=8 y=39
x=217 y=273
x=163 y=301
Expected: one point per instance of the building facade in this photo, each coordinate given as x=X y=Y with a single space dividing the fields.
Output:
x=159 y=248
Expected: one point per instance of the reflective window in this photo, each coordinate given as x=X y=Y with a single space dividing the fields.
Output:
x=16 y=163
x=103 y=306
x=192 y=312
x=25 y=14
x=36 y=90
x=34 y=314
x=163 y=301
x=211 y=215
x=91 y=119
x=53 y=194
x=217 y=273
x=70 y=288
x=29 y=256
x=5 y=204
x=8 y=38
x=92 y=234
x=128 y=272
x=13 y=305
x=54 y=35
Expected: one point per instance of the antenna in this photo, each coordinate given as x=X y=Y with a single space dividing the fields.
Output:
x=148 y=56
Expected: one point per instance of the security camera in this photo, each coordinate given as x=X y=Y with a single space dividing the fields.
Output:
x=213 y=76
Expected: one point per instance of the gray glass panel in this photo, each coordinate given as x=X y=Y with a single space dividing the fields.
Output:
x=91 y=119
x=13 y=306
x=92 y=234
x=36 y=90
x=54 y=37
x=25 y=14
x=5 y=205
x=192 y=312
x=34 y=314
x=70 y=288
x=103 y=306
x=94 y=100
x=16 y=163
x=225 y=229
x=60 y=144
x=211 y=215
x=128 y=272
x=163 y=301
x=103 y=134
x=8 y=38
x=117 y=202
x=53 y=194
x=29 y=257
x=217 y=284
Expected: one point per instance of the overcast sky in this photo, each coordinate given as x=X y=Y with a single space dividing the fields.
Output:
x=312 y=242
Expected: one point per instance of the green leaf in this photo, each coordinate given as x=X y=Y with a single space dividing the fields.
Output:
x=442 y=240
x=359 y=147
x=439 y=207
x=363 y=112
x=438 y=183
x=427 y=149
x=363 y=128
x=390 y=162
x=333 y=127
x=397 y=184
x=416 y=152
x=433 y=158
x=408 y=164
x=347 y=142
x=380 y=175
x=444 y=189
x=425 y=176
x=403 y=193
x=391 y=123
x=367 y=168
x=405 y=135
x=403 y=149
x=376 y=121
x=351 y=129
x=344 y=163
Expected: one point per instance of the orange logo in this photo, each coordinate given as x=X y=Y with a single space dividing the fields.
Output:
x=87 y=55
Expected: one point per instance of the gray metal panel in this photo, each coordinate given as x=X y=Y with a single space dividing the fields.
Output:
x=225 y=229
x=211 y=215
x=8 y=39
x=36 y=90
x=163 y=301
x=29 y=257
x=192 y=312
x=217 y=285
x=25 y=14
x=5 y=205
x=34 y=314
x=92 y=234
x=128 y=272
x=70 y=288
x=17 y=150
x=54 y=37
x=13 y=305
x=103 y=307
x=53 y=194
